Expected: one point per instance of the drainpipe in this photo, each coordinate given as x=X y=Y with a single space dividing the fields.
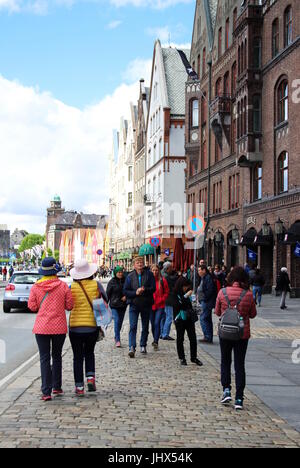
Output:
x=209 y=63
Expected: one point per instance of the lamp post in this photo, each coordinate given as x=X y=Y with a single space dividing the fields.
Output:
x=279 y=227
x=266 y=229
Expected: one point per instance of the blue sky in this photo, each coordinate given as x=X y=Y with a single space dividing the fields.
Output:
x=80 y=52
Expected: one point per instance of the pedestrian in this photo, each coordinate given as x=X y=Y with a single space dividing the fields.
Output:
x=158 y=309
x=219 y=278
x=50 y=298
x=184 y=320
x=283 y=286
x=237 y=294
x=139 y=289
x=11 y=271
x=207 y=294
x=171 y=277
x=4 y=273
x=117 y=301
x=258 y=281
x=83 y=331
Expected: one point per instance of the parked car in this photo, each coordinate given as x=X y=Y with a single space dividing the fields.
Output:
x=17 y=291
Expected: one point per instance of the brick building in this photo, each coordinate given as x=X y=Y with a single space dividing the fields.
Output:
x=243 y=149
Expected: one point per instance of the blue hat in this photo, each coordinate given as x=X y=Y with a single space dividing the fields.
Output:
x=49 y=267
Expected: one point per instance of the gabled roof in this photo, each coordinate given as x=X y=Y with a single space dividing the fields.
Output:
x=176 y=78
x=69 y=218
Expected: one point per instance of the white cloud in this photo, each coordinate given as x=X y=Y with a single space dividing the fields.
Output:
x=47 y=147
x=157 y=4
x=114 y=24
x=137 y=69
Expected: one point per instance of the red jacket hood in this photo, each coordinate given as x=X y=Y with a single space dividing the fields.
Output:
x=47 y=286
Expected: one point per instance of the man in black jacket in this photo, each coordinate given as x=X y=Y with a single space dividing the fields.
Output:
x=117 y=301
x=139 y=289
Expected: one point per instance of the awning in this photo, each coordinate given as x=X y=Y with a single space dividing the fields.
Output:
x=293 y=234
x=249 y=237
x=146 y=249
x=262 y=240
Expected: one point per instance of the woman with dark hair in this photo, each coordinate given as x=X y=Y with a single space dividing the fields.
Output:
x=238 y=295
x=184 y=322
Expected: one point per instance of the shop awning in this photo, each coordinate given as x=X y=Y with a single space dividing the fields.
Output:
x=293 y=234
x=262 y=240
x=146 y=249
x=249 y=237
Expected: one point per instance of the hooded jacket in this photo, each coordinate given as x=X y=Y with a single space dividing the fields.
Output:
x=50 y=298
x=115 y=293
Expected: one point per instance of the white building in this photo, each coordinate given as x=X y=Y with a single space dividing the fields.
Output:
x=165 y=151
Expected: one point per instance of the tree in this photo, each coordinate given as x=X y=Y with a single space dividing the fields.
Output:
x=56 y=255
x=30 y=241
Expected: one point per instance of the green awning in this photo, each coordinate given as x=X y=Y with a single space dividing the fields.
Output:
x=146 y=249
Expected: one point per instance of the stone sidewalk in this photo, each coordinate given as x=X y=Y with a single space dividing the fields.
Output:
x=148 y=402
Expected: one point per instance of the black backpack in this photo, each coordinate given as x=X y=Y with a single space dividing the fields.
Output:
x=231 y=326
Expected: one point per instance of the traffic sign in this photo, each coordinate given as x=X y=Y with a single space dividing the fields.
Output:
x=99 y=252
x=155 y=242
x=196 y=225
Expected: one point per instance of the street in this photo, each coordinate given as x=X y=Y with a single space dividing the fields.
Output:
x=15 y=332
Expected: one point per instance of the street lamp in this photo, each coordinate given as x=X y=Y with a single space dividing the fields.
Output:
x=279 y=227
x=266 y=229
x=235 y=234
x=218 y=237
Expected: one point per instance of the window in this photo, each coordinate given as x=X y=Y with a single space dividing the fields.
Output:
x=226 y=85
x=257 y=52
x=130 y=174
x=199 y=66
x=245 y=117
x=195 y=113
x=220 y=43
x=245 y=56
x=234 y=191
x=217 y=198
x=283 y=102
x=239 y=120
x=227 y=34
x=288 y=26
x=257 y=182
x=242 y=58
x=275 y=38
x=203 y=200
x=129 y=199
x=203 y=148
x=203 y=108
x=283 y=172
x=233 y=79
x=234 y=18
x=217 y=151
x=204 y=61
x=257 y=113
x=218 y=87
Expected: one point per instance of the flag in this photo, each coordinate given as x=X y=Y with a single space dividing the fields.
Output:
x=252 y=255
x=189 y=69
x=297 y=250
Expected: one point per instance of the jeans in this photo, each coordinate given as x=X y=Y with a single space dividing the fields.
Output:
x=156 y=318
x=118 y=316
x=257 y=294
x=188 y=326
x=168 y=323
x=240 y=349
x=283 y=299
x=206 y=322
x=51 y=375
x=83 y=345
x=133 y=321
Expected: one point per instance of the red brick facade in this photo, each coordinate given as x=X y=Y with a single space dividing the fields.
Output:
x=255 y=142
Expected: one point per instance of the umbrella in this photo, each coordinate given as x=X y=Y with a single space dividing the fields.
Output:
x=178 y=261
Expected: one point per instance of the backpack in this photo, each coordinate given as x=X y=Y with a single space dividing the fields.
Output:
x=231 y=326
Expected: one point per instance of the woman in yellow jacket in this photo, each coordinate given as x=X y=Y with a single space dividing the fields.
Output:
x=83 y=328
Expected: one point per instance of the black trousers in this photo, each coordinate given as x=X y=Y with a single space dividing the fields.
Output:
x=188 y=326
x=51 y=375
x=83 y=345
x=239 y=349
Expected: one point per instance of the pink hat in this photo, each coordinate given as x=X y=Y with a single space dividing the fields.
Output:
x=83 y=270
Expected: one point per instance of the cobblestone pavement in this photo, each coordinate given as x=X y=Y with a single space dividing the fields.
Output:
x=147 y=402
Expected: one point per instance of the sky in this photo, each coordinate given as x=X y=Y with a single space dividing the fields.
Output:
x=68 y=71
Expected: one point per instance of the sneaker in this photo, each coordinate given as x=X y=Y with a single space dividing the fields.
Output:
x=143 y=350
x=46 y=398
x=239 y=405
x=183 y=362
x=91 y=383
x=131 y=353
x=226 y=399
x=155 y=346
x=118 y=344
x=79 y=391
x=59 y=392
x=197 y=362
x=168 y=338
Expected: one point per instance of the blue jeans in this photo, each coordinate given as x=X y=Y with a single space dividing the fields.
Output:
x=156 y=318
x=206 y=322
x=168 y=322
x=133 y=321
x=257 y=293
x=118 y=316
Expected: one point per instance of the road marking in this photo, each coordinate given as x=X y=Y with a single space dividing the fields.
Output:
x=4 y=381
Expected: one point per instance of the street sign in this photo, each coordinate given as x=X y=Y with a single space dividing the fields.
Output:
x=196 y=225
x=167 y=252
x=99 y=252
x=155 y=242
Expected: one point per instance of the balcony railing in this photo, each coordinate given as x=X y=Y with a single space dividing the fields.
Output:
x=221 y=105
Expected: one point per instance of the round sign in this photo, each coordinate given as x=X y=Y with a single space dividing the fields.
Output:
x=196 y=225
x=99 y=252
x=155 y=242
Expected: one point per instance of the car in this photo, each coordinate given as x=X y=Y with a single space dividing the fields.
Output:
x=17 y=291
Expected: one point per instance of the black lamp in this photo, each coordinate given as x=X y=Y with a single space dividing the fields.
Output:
x=266 y=229
x=279 y=227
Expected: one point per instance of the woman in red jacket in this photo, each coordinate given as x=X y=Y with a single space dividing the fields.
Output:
x=158 y=310
x=238 y=283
